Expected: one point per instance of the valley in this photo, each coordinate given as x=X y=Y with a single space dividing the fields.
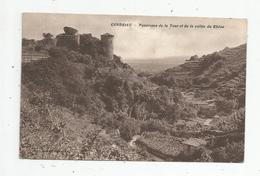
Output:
x=80 y=101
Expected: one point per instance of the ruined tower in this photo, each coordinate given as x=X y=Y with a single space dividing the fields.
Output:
x=69 y=39
x=107 y=45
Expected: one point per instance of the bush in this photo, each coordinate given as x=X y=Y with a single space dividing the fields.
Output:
x=217 y=65
x=207 y=112
x=208 y=61
x=128 y=128
x=108 y=120
x=154 y=125
x=57 y=52
x=38 y=48
x=226 y=106
x=184 y=111
x=233 y=152
x=200 y=80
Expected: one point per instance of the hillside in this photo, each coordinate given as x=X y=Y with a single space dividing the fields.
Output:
x=81 y=103
x=223 y=72
x=76 y=93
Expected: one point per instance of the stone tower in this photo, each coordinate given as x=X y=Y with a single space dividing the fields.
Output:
x=69 y=39
x=107 y=45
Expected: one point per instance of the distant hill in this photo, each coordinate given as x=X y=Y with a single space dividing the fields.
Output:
x=153 y=65
x=223 y=72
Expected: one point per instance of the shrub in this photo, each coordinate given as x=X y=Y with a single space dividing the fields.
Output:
x=128 y=128
x=226 y=106
x=38 y=48
x=57 y=52
x=207 y=112
x=154 y=125
x=200 y=80
x=108 y=120
x=233 y=152
x=208 y=61
x=184 y=111
x=217 y=65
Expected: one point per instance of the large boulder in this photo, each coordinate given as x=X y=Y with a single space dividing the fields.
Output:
x=70 y=30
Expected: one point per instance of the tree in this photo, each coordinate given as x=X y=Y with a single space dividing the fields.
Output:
x=47 y=42
x=47 y=35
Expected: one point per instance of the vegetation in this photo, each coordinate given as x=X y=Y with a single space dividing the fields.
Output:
x=232 y=152
x=225 y=105
x=77 y=95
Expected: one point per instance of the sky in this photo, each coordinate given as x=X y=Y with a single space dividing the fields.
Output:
x=141 y=42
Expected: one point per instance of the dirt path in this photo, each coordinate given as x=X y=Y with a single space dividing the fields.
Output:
x=132 y=142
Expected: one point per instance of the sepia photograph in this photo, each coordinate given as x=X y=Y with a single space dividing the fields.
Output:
x=132 y=88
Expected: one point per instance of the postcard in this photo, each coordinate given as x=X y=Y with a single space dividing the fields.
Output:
x=132 y=88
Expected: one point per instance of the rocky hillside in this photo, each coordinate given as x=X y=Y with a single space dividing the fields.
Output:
x=222 y=72
x=80 y=104
x=77 y=95
x=215 y=84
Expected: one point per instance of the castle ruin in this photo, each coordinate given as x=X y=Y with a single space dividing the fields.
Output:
x=72 y=40
x=107 y=45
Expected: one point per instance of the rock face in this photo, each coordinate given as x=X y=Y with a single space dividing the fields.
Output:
x=70 y=39
x=70 y=30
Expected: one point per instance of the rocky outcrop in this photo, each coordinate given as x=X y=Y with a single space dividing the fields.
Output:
x=69 y=39
x=70 y=30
